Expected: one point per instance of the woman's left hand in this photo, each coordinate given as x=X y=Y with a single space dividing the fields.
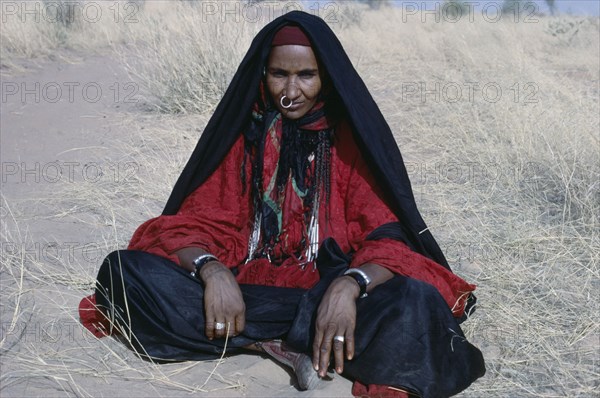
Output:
x=336 y=317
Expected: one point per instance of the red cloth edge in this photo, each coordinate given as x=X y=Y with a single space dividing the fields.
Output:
x=377 y=391
x=92 y=318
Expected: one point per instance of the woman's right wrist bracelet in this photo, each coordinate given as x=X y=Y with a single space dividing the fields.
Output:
x=200 y=261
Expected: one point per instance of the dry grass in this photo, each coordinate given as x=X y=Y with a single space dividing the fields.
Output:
x=510 y=187
x=43 y=343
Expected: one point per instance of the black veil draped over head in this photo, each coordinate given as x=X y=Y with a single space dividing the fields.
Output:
x=371 y=131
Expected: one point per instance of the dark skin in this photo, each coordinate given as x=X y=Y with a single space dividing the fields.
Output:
x=292 y=71
x=223 y=300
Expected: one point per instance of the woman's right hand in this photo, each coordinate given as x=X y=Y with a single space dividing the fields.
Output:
x=223 y=301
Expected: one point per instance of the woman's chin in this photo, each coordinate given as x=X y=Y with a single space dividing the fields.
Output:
x=294 y=113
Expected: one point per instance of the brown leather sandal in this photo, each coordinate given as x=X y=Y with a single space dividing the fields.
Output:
x=301 y=364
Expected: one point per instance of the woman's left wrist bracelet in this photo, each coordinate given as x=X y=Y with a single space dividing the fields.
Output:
x=361 y=278
x=200 y=261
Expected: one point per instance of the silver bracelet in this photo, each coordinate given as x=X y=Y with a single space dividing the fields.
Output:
x=361 y=278
x=200 y=261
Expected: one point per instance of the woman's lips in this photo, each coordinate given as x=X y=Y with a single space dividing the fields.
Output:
x=295 y=106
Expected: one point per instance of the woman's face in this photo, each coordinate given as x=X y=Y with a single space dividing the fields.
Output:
x=293 y=71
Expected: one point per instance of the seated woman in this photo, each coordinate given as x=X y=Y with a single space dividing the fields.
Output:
x=293 y=231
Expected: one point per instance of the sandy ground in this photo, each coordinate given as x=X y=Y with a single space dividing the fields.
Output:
x=47 y=143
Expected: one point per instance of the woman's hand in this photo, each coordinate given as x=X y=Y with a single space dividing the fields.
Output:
x=223 y=301
x=336 y=316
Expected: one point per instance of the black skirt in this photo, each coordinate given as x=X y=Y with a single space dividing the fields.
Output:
x=405 y=334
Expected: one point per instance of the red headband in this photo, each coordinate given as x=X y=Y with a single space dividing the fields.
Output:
x=290 y=35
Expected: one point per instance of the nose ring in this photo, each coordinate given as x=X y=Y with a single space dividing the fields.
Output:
x=289 y=104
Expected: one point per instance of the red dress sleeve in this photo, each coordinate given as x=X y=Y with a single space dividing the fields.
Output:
x=366 y=210
x=214 y=217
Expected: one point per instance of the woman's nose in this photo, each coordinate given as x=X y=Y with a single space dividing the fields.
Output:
x=292 y=91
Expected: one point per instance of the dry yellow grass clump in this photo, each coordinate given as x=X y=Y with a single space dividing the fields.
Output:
x=498 y=124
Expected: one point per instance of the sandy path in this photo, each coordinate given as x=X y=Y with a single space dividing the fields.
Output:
x=51 y=138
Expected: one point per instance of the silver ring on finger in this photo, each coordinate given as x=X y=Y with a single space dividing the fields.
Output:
x=338 y=338
x=219 y=326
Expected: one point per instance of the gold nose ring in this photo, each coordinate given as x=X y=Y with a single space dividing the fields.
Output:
x=289 y=104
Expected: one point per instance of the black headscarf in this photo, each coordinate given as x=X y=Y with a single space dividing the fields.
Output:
x=371 y=131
